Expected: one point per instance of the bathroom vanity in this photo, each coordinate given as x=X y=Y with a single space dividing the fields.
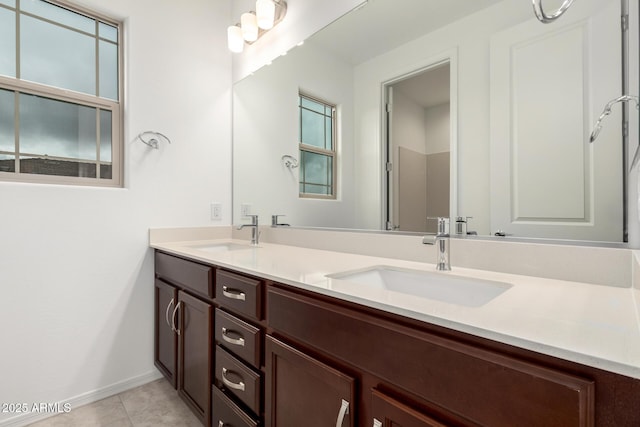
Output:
x=246 y=347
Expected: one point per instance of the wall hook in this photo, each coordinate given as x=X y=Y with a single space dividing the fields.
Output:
x=547 y=18
x=290 y=161
x=152 y=138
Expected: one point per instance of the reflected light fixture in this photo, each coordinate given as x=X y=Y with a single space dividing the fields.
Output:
x=254 y=24
x=249 y=25
x=235 y=42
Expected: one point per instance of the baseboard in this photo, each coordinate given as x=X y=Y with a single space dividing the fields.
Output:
x=85 y=398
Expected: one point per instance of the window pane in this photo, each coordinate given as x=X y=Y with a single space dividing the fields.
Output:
x=316 y=168
x=105 y=171
x=105 y=136
x=312 y=105
x=7 y=127
x=312 y=125
x=55 y=128
x=108 y=32
x=316 y=189
x=44 y=166
x=10 y=3
x=7 y=163
x=57 y=56
x=7 y=42
x=59 y=14
x=108 y=70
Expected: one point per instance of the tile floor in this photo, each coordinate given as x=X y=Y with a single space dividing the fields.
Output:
x=155 y=404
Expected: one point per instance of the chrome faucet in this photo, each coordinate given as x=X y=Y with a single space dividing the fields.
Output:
x=255 y=234
x=442 y=240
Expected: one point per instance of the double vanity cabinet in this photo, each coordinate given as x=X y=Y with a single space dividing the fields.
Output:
x=245 y=351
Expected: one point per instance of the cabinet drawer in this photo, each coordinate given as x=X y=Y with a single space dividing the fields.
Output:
x=455 y=376
x=239 y=337
x=187 y=274
x=239 y=293
x=238 y=378
x=226 y=413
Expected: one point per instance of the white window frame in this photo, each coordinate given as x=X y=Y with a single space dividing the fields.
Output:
x=19 y=86
x=333 y=153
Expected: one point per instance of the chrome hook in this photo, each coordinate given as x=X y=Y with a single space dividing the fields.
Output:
x=607 y=110
x=546 y=19
x=289 y=161
x=150 y=138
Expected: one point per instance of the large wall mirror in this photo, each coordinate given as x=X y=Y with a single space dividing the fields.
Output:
x=467 y=108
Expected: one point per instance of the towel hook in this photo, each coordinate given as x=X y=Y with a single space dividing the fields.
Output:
x=607 y=110
x=543 y=17
x=151 y=138
x=290 y=161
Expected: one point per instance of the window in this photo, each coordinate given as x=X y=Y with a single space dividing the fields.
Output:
x=60 y=95
x=317 y=148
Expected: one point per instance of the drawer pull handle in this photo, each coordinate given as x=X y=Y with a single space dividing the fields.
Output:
x=233 y=293
x=166 y=313
x=234 y=341
x=376 y=423
x=221 y=423
x=344 y=409
x=173 y=318
x=231 y=384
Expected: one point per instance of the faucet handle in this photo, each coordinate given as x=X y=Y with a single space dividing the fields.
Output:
x=274 y=221
x=461 y=224
x=443 y=223
x=254 y=219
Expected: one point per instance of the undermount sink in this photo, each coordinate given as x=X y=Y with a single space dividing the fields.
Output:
x=443 y=287
x=221 y=247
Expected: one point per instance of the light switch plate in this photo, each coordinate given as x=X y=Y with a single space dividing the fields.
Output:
x=245 y=209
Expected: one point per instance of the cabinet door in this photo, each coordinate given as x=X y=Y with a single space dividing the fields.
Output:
x=166 y=341
x=301 y=391
x=194 y=354
x=388 y=412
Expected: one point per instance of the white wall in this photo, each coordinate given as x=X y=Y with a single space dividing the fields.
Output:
x=437 y=128
x=266 y=128
x=408 y=127
x=75 y=268
x=467 y=40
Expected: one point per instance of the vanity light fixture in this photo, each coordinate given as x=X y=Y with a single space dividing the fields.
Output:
x=235 y=42
x=254 y=24
x=249 y=26
x=265 y=13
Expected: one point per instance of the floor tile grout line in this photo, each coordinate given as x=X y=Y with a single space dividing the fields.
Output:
x=126 y=411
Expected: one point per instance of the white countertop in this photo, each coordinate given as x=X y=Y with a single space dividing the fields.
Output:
x=594 y=325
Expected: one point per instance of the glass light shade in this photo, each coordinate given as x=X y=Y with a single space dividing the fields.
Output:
x=249 y=25
x=234 y=39
x=266 y=13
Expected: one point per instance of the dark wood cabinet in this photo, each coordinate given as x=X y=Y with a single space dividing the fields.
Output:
x=195 y=354
x=389 y=412
x=449 y=377
x=302 y=391
x=166 y=341
x=184 y=330
x=267 y=354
